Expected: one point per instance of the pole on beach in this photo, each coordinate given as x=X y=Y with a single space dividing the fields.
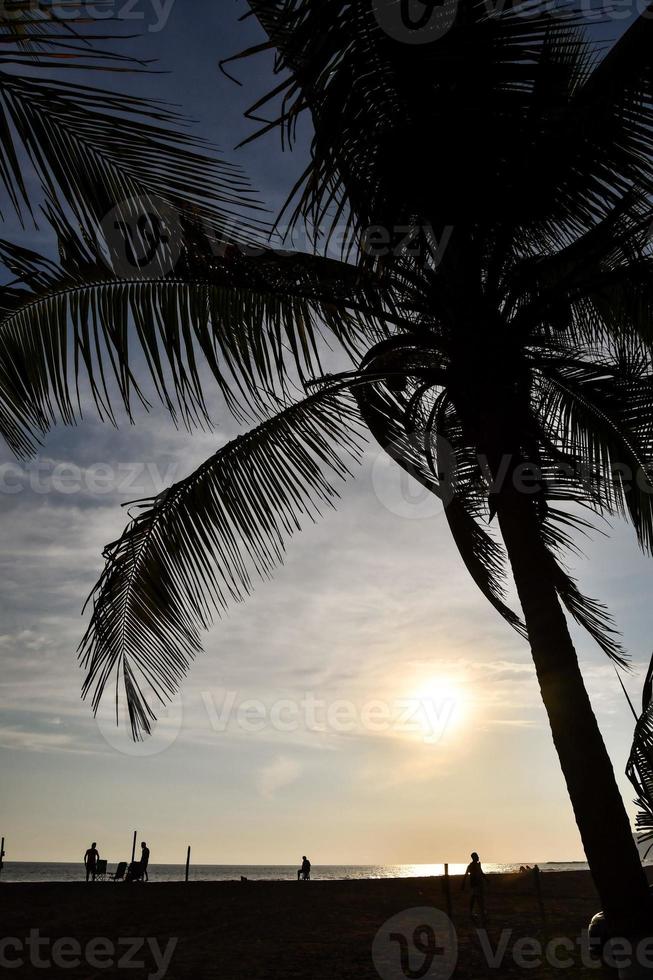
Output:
x=187 y=862
x=447 y=890
x=538 y=890
x=2 y=853
x=134 y=847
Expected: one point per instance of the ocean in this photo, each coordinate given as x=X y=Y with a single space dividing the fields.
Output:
x=16 y=871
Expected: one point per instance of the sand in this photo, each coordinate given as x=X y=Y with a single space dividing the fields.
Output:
x=284 y=930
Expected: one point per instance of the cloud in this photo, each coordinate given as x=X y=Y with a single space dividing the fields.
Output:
x=280 y=773
x=40 y=741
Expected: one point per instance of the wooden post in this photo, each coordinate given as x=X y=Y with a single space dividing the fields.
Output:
x=538 y=891
x=134 y=847
x=2 y=853
x=187 y=862
x=447 y=890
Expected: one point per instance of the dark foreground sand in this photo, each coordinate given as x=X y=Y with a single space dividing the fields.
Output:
x=285 y=930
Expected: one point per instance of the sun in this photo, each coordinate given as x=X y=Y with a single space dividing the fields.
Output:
x=441 y=708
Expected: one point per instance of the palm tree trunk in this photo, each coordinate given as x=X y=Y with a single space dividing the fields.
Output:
x=598 y=807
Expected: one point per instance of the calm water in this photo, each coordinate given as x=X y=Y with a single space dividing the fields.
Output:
x=23 y=871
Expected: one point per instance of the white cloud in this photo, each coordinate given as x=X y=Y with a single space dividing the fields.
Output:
x=280 y=773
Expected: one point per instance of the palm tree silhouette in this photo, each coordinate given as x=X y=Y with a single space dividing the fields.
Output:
x=511 y=376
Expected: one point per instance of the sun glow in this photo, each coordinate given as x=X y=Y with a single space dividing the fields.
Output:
x=442 y=708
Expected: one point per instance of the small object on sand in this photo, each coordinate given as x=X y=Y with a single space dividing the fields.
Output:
x=243 y=878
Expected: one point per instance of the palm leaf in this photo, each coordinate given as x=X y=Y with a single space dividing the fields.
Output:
x=96 y=148
x=376 y=104
x=203 y=543
x=257 y=321
x=640 y=765
x=591 y=615
x=601 y=417
x=424 y=435
x=385 y=416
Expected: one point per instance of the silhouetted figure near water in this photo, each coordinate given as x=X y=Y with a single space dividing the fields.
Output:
x=145 y=860
x=304 y=873
x=477 y=882
x=91 y=859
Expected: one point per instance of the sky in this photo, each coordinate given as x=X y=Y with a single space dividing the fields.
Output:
x=365 y=706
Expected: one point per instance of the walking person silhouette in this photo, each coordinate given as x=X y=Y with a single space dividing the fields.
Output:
x=145 y=860
x=477 y=882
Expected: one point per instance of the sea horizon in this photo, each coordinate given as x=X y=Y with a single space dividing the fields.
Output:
x=69 y=871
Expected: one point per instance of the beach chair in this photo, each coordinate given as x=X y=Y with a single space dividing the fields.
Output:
x=119 y=873
x=101 y=871
x=135 y=872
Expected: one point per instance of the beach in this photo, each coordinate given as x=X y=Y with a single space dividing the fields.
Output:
x=318 y=930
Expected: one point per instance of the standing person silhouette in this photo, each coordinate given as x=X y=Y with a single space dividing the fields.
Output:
x=304 y=872
x=91 y=859
x=145 y=860
x=477 y=882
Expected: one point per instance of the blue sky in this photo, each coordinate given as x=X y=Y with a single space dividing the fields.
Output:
x=372 y=608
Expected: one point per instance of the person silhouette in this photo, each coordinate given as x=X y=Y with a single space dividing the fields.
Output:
x=304 y=872
x=477 y=882
x=91 y=859
x=145 y=860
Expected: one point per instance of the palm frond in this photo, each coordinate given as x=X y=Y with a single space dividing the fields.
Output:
x=95 y=148
x=51 y=33
x=98 y=150
x=591 y=615
x=483 y=557
x=202 y=544
x=640 y=766
x=376 y=103
x=602 y=418
x=423 y=433
x=618 y=96
x=256 y=321
x=425 y=456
